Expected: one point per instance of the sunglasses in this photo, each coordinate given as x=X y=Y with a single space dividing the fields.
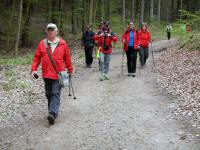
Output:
x=50 y=29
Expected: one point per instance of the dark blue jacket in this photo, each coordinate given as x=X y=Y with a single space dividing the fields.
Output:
x=88 y=39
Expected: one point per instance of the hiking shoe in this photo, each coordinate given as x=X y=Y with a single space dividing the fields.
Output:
x=133 y=75
x=129 y=74
x=51 y=119
x=102 y=78
x=106 y=77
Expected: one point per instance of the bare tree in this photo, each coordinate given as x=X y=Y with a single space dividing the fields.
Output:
x=142 y=11
x=102 y=10
x=73 y=17
x=133 y=10
x=91 y=9
x=151 y=10
x=19 y=28
x=159 y=6
x=124 y=12
x=8 y=37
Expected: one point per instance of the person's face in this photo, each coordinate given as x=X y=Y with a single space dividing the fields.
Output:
x=132 y=25
x=89 y=29
x=51 y=33
x=144 y=27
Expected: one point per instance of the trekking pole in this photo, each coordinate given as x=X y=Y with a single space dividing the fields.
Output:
x=95 y=53
x=69 y=88
x=122 y=67
x=152 y=54
x=70 y=82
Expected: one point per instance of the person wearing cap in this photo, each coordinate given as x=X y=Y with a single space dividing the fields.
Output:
x=88 y=43
x=106 y=38
x=145 y=39
x=130 y=39
x=169 y=30
x=98 y=42
x=60 y=53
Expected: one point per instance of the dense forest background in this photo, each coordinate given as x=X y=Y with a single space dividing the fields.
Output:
x=23 y=22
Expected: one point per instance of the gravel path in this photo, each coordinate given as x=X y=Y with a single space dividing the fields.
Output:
x=123 y=113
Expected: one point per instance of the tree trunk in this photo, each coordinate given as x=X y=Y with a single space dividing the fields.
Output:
x=8 y=37
x=109 y=10
x=142 y=12
x=60 y=20
x=151 y=11
x=181 y=9
x=26 y=24
x=172 y=11
x=102 y=10
x=91 y=10
x=159 y=5
x=167 y=12
x=132 y=10
x=73 y=17
x=19 y=28
x=95 y=11
x=84 y=15
x=50 y=11
x=124 y=12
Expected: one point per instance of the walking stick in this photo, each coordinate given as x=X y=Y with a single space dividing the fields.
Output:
x=122 y=67
x=70 y=82
x=152 y=54
x=69 y=88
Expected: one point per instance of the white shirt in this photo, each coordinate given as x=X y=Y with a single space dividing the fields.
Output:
x=53 y=45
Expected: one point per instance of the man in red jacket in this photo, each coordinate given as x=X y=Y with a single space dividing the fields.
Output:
x=145 y=39
x=60 y=53
x=106 y=38
x=130 y=40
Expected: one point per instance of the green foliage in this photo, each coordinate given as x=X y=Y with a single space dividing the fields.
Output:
x=188 y=40
x=191 y=41
x=158 y=30
x=191 y=19
x=116 y=24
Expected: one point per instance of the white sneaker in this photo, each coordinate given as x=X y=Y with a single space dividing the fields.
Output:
x=106 y=77
x=102 y=77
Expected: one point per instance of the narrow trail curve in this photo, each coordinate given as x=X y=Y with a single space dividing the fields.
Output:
x=122 y=113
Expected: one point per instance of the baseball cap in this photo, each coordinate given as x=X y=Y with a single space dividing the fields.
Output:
x=52 y=26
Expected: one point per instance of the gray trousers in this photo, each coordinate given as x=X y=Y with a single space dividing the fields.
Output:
x=104 y=62
x=144 y=54
x=52 y=92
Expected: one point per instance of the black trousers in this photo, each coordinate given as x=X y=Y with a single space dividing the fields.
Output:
x=131 y=59
x=168 y=35
x=88 y=55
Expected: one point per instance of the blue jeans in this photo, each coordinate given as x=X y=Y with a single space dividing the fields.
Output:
x=52 y=92
x=104 y=62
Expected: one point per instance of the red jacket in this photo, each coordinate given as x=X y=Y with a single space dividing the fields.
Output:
x=145 y=38
x=103 y=41
x=98 y=42
x=126 y=39
x=61 y=56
